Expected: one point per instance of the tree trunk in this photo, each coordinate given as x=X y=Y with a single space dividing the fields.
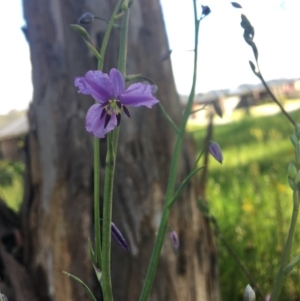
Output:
x=57 y=209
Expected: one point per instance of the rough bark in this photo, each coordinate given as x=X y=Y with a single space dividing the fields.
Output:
x=56 y=214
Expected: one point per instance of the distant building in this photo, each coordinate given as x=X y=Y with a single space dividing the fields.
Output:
x=245 y=96
x=11 y=139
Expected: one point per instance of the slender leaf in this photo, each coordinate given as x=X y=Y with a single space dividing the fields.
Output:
x=292 y=264
x=93 y=50
x=83 y=284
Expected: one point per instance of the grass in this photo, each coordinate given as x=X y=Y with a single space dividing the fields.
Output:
x=252 y=201
x=11 y=183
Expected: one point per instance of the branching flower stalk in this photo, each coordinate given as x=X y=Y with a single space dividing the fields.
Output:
x=103 y=118
x=172 y=174
x=278 y=284
x=98 y=256
x=248 y=36
x=107 y=90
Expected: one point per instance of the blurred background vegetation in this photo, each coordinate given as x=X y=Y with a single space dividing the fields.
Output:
x=248 y=194
x=250 y=197
x=12 y=169
x=11 y=183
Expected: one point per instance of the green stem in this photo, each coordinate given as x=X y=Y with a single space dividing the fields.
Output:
x=97 y=202
x=122 y=60
x=273 y=96
x=183 y=185
x=112 y=142
x=172 y=177
x=107 y=213
x=287 y=249
x=107 y=34
x=123 y=43
x=97 y=226
x=168 y=117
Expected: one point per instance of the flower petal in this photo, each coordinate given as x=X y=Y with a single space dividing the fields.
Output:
x=138 y=95
x=97 y=84
x=118 y=82
x=95 y=125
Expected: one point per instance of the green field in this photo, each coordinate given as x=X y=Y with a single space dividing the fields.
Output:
x=251 y=199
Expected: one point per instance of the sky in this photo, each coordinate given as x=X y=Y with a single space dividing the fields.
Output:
x=223 y=53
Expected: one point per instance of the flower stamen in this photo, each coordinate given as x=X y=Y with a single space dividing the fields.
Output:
x=118 y=119
x=126 y=111
x=103 y=113
x=107 y=119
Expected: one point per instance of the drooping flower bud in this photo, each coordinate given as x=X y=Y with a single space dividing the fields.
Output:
x=249 y=294
x=174 y=240
x=205 y=10
x=236 y=5
x=86 y=18
x=119 y=238
x=217 y=108
x=215 y=151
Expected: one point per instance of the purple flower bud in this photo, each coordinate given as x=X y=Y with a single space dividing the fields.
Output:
x=175 y=241
x=86 y=18
x=119 y=238
x=215 y=151
x=236 y=5
x=205 y=10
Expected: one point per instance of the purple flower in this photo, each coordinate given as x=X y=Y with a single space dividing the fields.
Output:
x=215 y=151
x=109 y=92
